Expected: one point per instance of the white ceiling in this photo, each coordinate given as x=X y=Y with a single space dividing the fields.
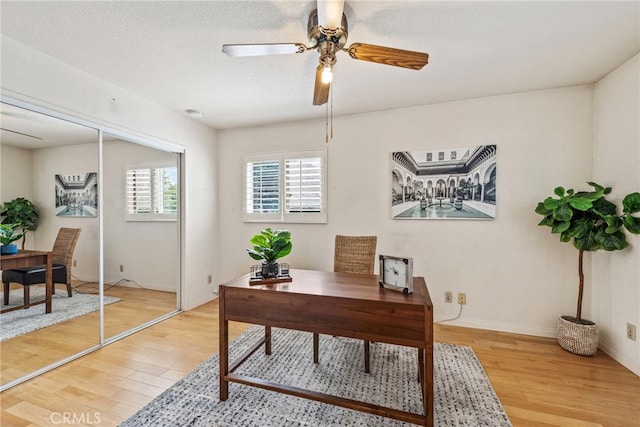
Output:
x=170 y=52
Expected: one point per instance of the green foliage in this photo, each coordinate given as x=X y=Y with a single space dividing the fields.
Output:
x=8 y=233
x=22 y=213
x=270 y=245
x=589 y=219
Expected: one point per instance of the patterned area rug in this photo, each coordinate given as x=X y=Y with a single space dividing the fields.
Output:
x=21 y=322
x=463 y=394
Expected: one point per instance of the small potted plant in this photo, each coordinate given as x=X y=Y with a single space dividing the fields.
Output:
x=592 y=223
x=8 y=235
x=269 y=246
x=22 y=213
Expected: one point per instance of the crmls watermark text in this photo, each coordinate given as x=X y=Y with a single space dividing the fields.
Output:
x=71 y=418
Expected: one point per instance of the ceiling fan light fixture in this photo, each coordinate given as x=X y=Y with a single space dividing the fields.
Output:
x=327 y=73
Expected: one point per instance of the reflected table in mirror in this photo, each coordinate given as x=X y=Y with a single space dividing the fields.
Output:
x=28 y=258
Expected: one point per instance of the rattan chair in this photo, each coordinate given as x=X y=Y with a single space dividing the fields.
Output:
x=61 y=258
x=352 y=254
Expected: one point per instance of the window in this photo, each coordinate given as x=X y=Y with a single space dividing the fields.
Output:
x=285 y=187
x=152 y=192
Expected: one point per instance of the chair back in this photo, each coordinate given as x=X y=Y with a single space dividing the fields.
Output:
x=354 y=254
x=64 y=246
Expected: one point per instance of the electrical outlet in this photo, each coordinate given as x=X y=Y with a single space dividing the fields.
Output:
x=462 y=298
x=631 y=331
x=448 y=296
x=121 y=268
x=209 y=279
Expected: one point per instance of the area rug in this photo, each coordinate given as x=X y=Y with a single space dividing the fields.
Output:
x=21 y=322
x=463 y=395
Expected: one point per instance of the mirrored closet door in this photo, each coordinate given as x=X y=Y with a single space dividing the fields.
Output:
x=141 y=233
x=51 y=163
x=122 y=192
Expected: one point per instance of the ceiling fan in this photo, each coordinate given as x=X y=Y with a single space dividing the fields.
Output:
x=327 y=31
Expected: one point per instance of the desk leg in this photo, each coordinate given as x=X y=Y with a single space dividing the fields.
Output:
x=367 y=351
x=48 y=274
x=316 y=346
x=267 y=340
x=224 y=346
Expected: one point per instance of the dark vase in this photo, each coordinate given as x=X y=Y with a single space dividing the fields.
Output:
x=269 y=270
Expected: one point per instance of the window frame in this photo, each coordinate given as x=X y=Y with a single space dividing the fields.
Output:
x=151 y=216
x=283 y=216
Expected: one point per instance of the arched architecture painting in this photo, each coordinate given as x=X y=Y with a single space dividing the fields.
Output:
x=451 y=183
x=77 y=194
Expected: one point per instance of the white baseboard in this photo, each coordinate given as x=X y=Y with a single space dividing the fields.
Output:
x=633 y=366
x=502 y=327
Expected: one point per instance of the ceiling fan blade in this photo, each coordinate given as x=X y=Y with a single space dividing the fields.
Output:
x=389 y=56
x=321 y=90
x=263 y=49
x=330 y=13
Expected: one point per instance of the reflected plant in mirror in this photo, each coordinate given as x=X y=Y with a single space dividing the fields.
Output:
x=8 y=235
x=22 y=213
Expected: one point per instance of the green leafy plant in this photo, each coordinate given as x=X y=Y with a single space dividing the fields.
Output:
x=22 y=212
x=8 y=233
x=270 y=245
x=591 y=221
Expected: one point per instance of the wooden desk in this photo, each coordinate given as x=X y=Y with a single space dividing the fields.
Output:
x=26 y=258
x=342 y=304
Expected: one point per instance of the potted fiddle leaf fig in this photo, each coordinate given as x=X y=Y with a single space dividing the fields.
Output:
x=590 y=222
x=8 y=235
x=22 y=212
x=270 y=245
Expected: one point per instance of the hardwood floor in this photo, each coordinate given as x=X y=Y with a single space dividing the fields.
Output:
x=29 y=352
x=538 y=383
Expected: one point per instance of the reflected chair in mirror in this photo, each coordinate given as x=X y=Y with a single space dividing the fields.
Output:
x=61 y=258
x=352 y=254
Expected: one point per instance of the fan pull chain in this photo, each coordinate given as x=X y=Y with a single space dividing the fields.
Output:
x=326 y=123
x=328 y=117
x=331 y=97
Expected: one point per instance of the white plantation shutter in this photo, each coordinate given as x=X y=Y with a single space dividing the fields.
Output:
x=285 y=187
x=151 y=193
x=138 y=191
x=303 y=185
x=263 y=187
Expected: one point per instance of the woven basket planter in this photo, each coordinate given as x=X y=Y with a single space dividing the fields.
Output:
x=576 y=338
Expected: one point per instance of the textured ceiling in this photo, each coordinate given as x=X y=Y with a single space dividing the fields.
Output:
x=170 y=52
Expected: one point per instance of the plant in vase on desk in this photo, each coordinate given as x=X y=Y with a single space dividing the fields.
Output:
x=22 y=214
x=8 y=235
x=270 y=245
x=593 y=223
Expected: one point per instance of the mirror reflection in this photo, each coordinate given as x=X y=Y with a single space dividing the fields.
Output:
x=54 y=164
x=141 y=233
x=51 y=164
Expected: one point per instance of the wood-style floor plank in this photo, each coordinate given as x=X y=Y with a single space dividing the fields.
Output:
x=538 y=383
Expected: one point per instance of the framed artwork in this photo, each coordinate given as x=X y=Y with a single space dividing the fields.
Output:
x=461 y=184
x=76 y=194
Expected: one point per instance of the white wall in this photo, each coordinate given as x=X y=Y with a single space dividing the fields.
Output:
x=617 y=164
x=16 y=165
x=147 y=250
x=517 y=276
x=72 y=91
x=65 y=160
